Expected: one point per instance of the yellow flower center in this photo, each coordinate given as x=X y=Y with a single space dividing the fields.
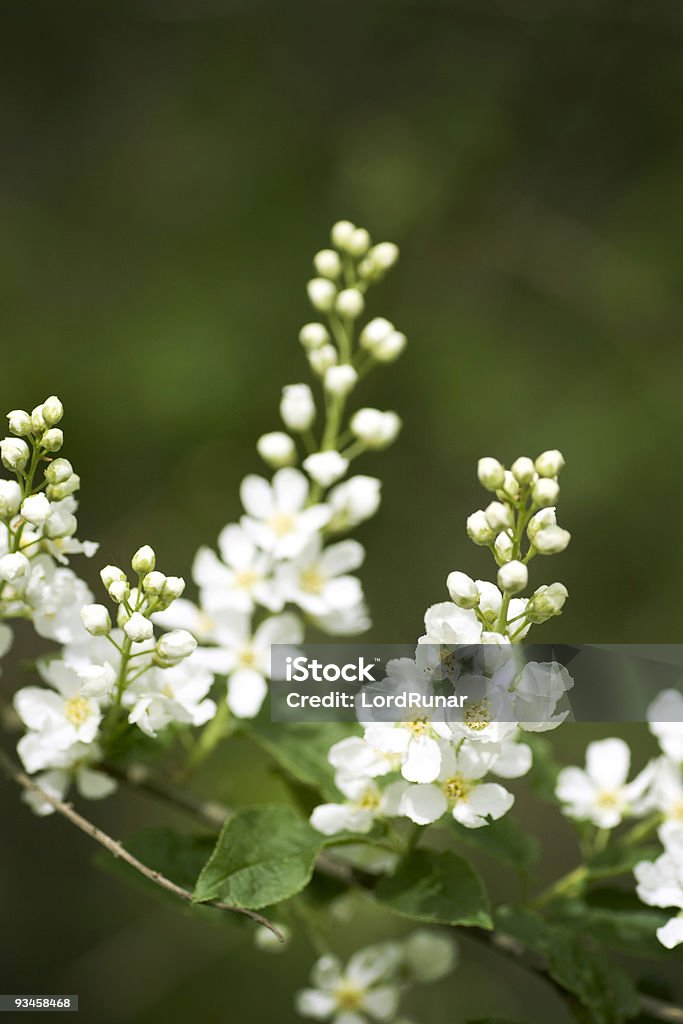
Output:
x=282 y=523
x=348 y=996
x=247 y=658
x=457 y=788
x=246 y=578
x=418 y=727
x=677 y=811
x=77 y=710
x=478 y=716
x=369 y=801
x=607 y=799
x=311 y=580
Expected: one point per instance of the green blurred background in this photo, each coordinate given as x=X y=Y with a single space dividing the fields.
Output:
x=168 y=170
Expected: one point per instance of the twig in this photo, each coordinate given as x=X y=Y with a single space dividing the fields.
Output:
x=326 y=864
x=210 y=813
x=118 y=850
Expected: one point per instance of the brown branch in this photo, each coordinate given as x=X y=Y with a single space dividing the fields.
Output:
x=213 y=814
x=117 y=849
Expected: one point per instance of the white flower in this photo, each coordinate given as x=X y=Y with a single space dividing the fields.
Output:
x=96 y=619
x=137 y=628
x=277 y=449
x=374 y=428
x=14 y=453
x=53 y=410
x=665 y=715
x=536 y=693
x=513 y=576
x=487 y=715
x=364 y=802
x=177 y=694
x=35 y=509
x=498 y=516
x=144 y=560
x=321 y=294
x=10 y=498
x=348 y=621
x=313 y=336
x=325 y=467
x=600 y=794
x=545 y=492
x=428 y=955
x=551 y=540
x=327 y=263
x=350 y=303
x=340 y=380
x=59 y=718
x=277 y=517
x=660 y=883
x=384 y=255
x=240 y=578
x=478 y=529
x=245 y=657
x=56 y=596
x=14 y=568
x=523 y=470
x=318 y=581
x=356 y=993
x=353 y=501
x=666 y=791
x=459 y=788
x=19 y=422
x=375 y=332
x=445 y=623
x=320 y=359
x=354 y=757
x=297 y=407
x=342 y=233
x=71 y=765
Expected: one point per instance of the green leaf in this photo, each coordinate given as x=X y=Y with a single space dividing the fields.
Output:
x=620 y=920
x=617 y=860
x=576 y=963
x=504 y=839
x=545 y=768
x=441 y=887
x=301 y=749
x=263 y=855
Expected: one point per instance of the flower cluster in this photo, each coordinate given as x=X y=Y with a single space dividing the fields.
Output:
x=370 y=985
x=110 y=678
x=276 y=568
x=38 y=527
x=431 y=765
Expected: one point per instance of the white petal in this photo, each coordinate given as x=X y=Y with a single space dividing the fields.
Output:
x=608 y=762
x=343 y=557
x=424 y=804
x=279 y=629
x=246 y=692
x=422 y=762
x=490 y=800
x=209 y=572
x=671 y=933
x=94 y=785
x=290 y=488
x=257 y=497
x=311 y=1002
x=235 y=547
x=381 y=1002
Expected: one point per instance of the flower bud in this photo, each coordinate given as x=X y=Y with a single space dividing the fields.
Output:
x=173 y=588
x=19 y=422
x=119 y=591
x=350 y=303
x=549 y=463
x=390 y=348
x=539 y=521
x=320 y=359
x=374 y=428
x=327 y=263
x=463 y=590
x=478 y=529
x=503 y=547
x=545 y=492
x=359 y=242
x=14 y=567
x=35 y=509
x=510 y=486
x=313 y=335
x=58 y=471
x=340 y=380
x=491 y=474
x=325 y=467
x=277 y=449
x=297 y=407
x=95 y=618
x=52 y=440
x=53 y=410
x=14 y=453
x=523 y=470
x=342 y=233
x=176 y=645
x=384 y=255
x=143 y=560
x=138 y=628
x=57 y=492
x=10 y=498
x=321 y=294
x=375 y=332
x=111 y=574
x=513 y=577
x=546 y=602
x=61 y=523
x=499 y=516
x=551 y=540
x=153 y=582
x=38 y=424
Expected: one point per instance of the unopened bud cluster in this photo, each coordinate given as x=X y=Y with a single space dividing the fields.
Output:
x=519 y=523
x=137 y=602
